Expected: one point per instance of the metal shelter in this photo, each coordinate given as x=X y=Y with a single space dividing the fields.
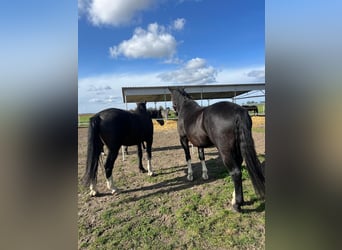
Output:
x=197 y=92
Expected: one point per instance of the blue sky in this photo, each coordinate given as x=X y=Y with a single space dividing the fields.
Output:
x=166 y=42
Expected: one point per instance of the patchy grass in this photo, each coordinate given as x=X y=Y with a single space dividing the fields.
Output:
x=197 y=216
x=167 y=211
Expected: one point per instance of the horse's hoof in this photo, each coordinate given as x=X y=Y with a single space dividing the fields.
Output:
x=205 y=177
x=142 y=170
x=237 y=208
x=150 y=174
x=93 y=193
x=115 y=191
x=190 y=178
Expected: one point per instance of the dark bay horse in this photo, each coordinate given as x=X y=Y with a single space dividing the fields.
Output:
x=225 y=125
x=114 y=128
x=154 y=114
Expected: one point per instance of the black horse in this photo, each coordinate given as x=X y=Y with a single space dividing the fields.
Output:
x=114 y=128
x=155 y=114
x=225 y=125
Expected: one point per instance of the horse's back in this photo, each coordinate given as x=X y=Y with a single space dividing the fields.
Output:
x=114 y=117
x=124 y=127
x=220 y=121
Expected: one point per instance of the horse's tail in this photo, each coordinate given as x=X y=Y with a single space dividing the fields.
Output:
x=95 y=147
x=249 y=154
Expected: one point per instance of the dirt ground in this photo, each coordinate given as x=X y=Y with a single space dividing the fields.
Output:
x=168 y=162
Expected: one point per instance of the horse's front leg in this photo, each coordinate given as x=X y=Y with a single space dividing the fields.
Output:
x=141 y=168
x=185 y=144
x=204 y=167
x=149 y=158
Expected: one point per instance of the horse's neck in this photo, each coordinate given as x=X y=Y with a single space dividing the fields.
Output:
x=190 y=105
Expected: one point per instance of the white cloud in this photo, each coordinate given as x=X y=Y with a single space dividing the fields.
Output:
x=241 y=75
x=116 y=13
x=121 y=12
x=99 y=88
x=179 y=23
x=95 y=100
x=106 y=99
x=82 y=5
x=257 y=74
x=155 y=42
x=194 y=71
x=92 y=101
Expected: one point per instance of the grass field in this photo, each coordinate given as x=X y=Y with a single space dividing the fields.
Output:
x=187 y=220
x=167 y=211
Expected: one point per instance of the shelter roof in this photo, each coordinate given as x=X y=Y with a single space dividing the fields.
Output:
x=197 y=92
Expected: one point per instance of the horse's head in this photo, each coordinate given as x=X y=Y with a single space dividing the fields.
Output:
x=141 y=107
x=157 y=114
x=160 y=117
x=173 y=98
x=178 y=95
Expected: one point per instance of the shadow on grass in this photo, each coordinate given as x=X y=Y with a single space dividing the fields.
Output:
x=216 y=171
x=258 y=209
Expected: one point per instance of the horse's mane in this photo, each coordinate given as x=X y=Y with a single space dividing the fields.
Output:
x=183 y=93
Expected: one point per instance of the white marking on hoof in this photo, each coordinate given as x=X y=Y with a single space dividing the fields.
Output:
x=233 y=199
x=111 y=186
x=149 y=168
x=93 y=191
x=115 y=191
x=204 y=171
x=190 y=176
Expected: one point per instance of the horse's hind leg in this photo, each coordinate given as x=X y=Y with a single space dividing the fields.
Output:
x=149 y=157
x=141 y=168
x=237 y=196
x=112 y=155
x=204 y=167
x=185 y=144
x=233 y=163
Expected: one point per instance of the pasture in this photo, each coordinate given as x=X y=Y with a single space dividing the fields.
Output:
x=167 y=211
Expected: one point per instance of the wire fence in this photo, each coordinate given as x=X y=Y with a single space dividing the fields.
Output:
x=83 y=120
